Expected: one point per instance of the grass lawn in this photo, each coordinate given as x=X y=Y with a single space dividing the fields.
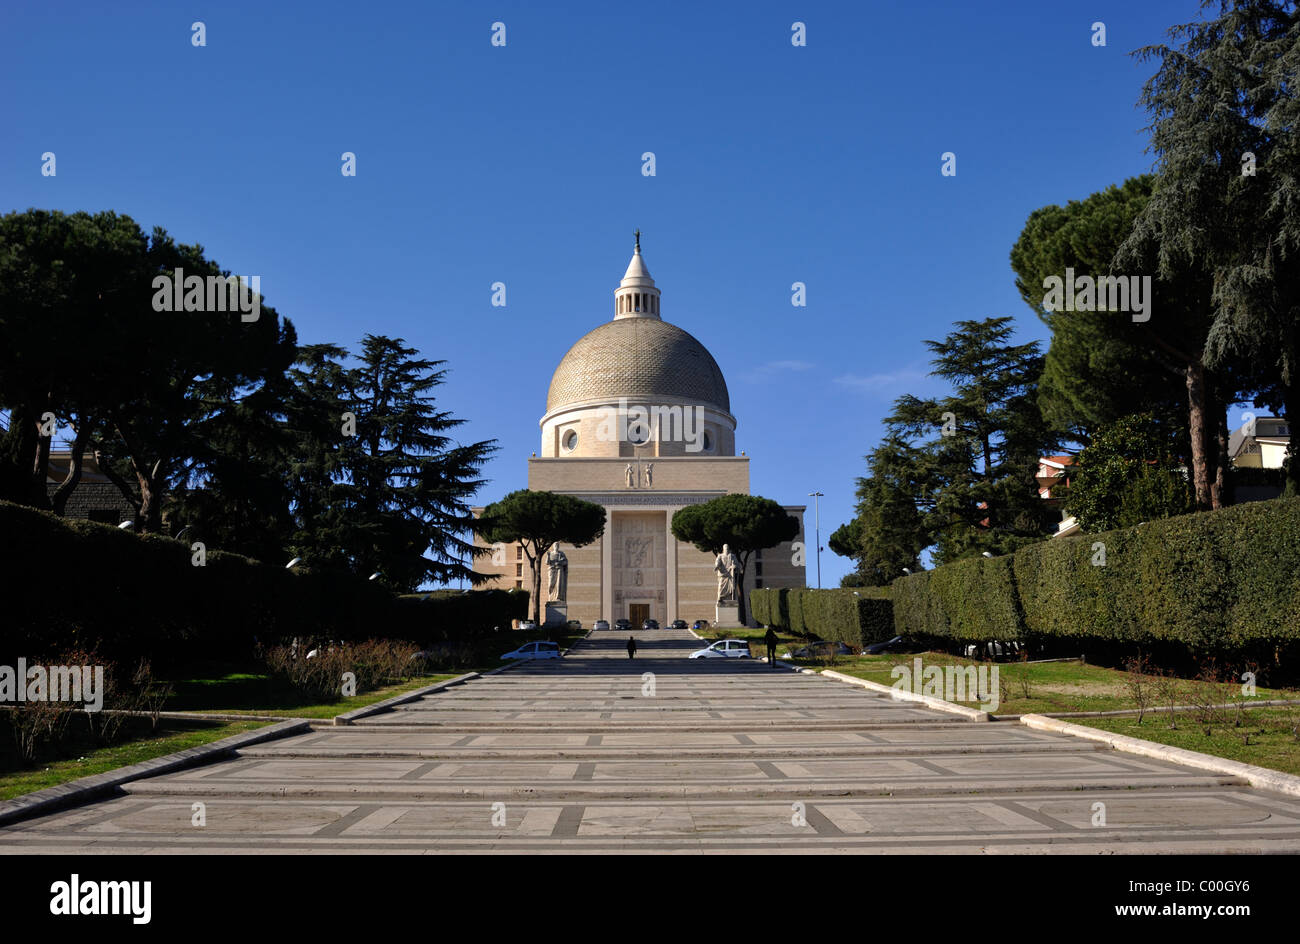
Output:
x=1045 y=688
x=79 y=757
x=253 y=693
x=1273 y=743
x=248 y=689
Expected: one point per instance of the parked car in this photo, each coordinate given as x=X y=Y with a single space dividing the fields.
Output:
x=724 y=649
x=650 y=624
x=623 y=625
x=897 y=644
x=679 y=624
x=573 y=624
x=527 y=624
x=822 y=648
x=601 y=624
x=993 y=650
x=535 y=650
x=700 y=624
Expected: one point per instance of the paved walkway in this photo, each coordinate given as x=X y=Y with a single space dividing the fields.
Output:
x=724 y=756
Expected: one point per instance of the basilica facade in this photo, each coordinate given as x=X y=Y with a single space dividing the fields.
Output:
x=638 y=420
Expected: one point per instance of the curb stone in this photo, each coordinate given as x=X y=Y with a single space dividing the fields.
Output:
x=970 y=714
x=78 y=791
x=1259 y=777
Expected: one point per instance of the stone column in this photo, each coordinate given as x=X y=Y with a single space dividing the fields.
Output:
x=671 y=576
x=607 y=570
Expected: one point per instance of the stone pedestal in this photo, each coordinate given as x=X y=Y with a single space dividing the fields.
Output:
x=727 y=614
x=557 y=613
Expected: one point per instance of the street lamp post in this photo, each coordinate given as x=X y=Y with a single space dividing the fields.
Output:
x=817 y=524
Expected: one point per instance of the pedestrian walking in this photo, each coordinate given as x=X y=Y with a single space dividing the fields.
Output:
x=770 y=639
x=631 y=647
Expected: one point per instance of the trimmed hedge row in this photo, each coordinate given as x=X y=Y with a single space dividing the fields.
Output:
x=968 y=601
x=1216 y=582
x=67 y=583
x=853 y=618
x=455 y=614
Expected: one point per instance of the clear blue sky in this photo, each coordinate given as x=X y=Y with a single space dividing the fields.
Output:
x=522 y=164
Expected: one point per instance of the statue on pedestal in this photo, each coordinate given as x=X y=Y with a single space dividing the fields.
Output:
x=558 y=571
x=727 y=566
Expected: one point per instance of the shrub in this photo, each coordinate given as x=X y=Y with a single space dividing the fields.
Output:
x=794 y=604
x=970 y=600
x=843 y=615
x=1220 y=583
x=76 y=584
x=39 y=725
x=319 y=673
x=759 y=606
x=451 y=614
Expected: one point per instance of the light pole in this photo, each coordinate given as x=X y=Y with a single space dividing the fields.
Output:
x=817 y=525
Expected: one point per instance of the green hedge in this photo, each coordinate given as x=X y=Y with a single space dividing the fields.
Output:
x=69 y=583
x=455 y=614
x=760 y=608
x=1219 y=582
x=969 y=600
x=854 y=618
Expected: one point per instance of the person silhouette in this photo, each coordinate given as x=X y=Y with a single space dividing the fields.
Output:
x=770 y=639
x=631 y=647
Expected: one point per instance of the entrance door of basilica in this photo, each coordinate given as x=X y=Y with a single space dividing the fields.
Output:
x=638 y=613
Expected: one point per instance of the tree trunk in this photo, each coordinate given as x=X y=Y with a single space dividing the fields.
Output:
x=1215 y=445
x=19 y=455
x=988 y=489
x=1197 y=434
x=533 y=562
x=148 y=504
x=41 y=463
x=59 y=501
x=1222 y=491
x=151 y=489
x=106 y=469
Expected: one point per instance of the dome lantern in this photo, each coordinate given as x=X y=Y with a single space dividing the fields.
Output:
x=636 y=296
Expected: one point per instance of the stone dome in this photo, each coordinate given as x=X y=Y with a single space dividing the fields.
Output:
x=643 y=359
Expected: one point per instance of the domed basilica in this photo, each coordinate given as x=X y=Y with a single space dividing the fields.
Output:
x=638 y=420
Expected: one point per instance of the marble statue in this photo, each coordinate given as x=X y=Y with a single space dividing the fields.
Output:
x=558 y=567
x=727 y=567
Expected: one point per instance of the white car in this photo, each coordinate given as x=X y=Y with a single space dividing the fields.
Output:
x=724 y=649
x=525 y=625
x=535 y=650
x=602 y=624
x=994 y=649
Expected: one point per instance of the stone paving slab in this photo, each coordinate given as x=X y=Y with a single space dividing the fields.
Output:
x=726 y=757
x=1222 y=820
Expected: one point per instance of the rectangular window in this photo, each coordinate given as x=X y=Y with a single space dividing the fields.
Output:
x=519 y=570
x=519 y=552
x=519 y=585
